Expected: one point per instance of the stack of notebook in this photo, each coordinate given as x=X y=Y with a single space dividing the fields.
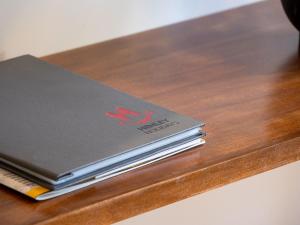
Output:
x=60 y=132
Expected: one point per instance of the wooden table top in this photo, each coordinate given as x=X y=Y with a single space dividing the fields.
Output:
x=238 y=71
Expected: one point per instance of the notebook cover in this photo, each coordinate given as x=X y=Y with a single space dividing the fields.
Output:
x=54 y=121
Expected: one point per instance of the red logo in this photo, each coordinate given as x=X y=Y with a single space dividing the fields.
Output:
x=130 y=117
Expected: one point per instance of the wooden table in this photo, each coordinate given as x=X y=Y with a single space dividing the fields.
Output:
x=238 y=71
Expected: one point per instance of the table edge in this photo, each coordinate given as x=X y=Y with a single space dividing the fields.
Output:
x=195 y=182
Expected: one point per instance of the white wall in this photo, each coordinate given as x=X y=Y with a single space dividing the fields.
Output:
x=42 y=27
x=271 y=198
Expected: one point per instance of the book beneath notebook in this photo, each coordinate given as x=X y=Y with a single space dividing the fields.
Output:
x=61 y=131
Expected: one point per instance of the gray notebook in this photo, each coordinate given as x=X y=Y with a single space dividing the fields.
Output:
x=57 y=126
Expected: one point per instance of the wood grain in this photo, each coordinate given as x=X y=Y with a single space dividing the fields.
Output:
x=237 y=70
